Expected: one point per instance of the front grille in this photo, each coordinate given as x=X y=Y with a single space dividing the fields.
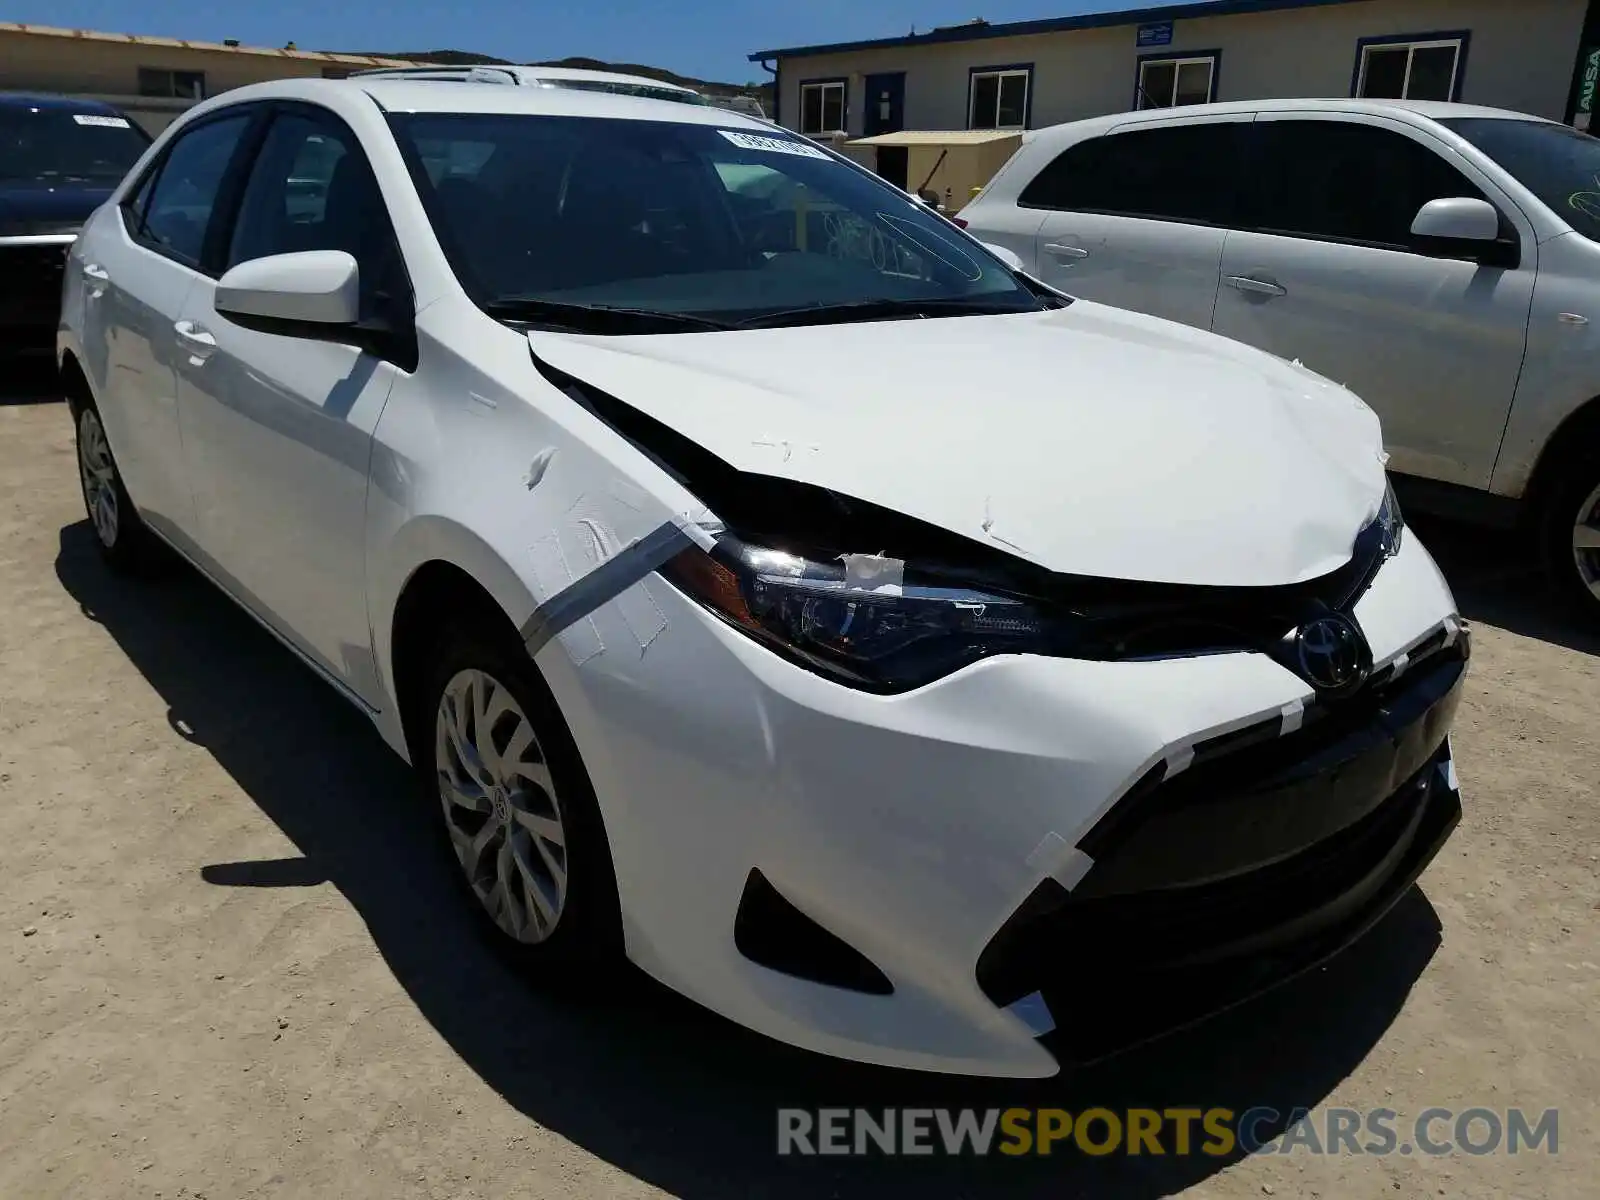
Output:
x=30 y=285
x=1133 y=620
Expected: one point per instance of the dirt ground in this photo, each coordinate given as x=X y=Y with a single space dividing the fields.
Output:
x=231 y=964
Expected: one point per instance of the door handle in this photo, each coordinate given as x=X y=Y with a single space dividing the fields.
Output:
x=1060 y=250
x=196 y=340
x=1257 y=287
x=97 y=278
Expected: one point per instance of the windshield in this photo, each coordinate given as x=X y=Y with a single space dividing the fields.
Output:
x=1555 y=162
x=56 y=145
x=689 y=220
x=622 y=88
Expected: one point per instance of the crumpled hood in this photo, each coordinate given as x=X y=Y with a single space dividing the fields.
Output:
x=31 y=207
x=1089 y=440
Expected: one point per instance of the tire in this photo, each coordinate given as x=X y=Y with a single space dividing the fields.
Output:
x=1571 y=534
x=519 y=814
x=125 y=543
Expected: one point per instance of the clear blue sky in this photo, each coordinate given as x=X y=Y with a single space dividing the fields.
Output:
x=704 y=38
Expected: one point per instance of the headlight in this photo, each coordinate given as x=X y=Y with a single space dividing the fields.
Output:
x=860 y=619
x=885 y=625
x=1390 y=524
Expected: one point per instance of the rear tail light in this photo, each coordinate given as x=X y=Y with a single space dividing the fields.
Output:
x=960 y=221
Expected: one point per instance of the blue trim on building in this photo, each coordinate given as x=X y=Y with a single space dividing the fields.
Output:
x=1101 y=20
x=1167 y=54
x=800 y=99
x=1027 y=99
x=1464 y=36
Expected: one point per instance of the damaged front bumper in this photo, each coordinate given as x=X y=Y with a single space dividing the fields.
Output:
x=887 y=844
x=1264 y=859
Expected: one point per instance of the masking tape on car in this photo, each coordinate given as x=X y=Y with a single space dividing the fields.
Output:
x=604 y=583
x=1061 y=860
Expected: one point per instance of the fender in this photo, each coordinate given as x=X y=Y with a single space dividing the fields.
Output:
x=424 y=539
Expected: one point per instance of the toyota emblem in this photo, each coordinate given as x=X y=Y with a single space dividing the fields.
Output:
x=1332 y=654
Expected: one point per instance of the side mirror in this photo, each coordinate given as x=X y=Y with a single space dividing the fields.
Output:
x=1458 y=219
x=931 y=198
x=1009 y=257
x=319 y=288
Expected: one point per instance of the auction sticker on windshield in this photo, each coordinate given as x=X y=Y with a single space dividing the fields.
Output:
x=771 y=145
x=107 y=122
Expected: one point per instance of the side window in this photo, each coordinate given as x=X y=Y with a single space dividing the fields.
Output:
x=1174 y=173
x=312 y=189
x=184 y=192
x=1316 y=179
x=135 y=203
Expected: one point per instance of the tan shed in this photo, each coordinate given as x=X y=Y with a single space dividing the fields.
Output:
x=955 y=163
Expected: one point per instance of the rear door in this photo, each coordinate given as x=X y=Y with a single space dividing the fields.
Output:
x=137 y=269
x=277 y=428
x=1327 y=272
x=1138 y=217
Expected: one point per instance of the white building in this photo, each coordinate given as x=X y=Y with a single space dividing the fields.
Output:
x=1530 y=55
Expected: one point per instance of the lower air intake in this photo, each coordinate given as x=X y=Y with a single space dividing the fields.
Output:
x=774 y=933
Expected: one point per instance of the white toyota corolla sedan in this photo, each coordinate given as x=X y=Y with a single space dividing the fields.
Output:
x=770 y=585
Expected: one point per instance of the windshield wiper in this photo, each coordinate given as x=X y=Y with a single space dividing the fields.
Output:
x=595 y=318
x=873 y=310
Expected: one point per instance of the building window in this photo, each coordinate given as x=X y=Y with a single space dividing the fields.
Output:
x=1410 y=68
x=175 y=85
x=822 y=107
x=997 y=97
x=1174 y=82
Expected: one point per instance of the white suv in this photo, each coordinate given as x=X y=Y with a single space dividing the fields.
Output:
x=1442 y=261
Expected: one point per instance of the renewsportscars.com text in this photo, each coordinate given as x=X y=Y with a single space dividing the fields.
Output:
x=1215 y=1132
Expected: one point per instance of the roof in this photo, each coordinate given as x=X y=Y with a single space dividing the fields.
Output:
x=1429 y=110
x=526 y=75
x=938 y=137
x=399 y=94
x=980 y=30
x=66 y=103
x=132 y=39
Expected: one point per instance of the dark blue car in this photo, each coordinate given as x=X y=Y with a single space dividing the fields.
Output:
x=60 y=158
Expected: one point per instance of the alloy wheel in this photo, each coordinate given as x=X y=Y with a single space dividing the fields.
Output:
x=1586 y=542
x=99 y=477
x=500 y=806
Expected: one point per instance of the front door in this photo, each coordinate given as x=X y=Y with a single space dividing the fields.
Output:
x=278 y=429
x=886 y=113
x=1325 y=270
x=138 y=269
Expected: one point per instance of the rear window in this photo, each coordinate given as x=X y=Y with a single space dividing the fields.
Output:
x=50 y=144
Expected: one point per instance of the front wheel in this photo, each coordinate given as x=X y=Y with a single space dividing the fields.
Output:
x=1572 y=534
x=519 y=810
